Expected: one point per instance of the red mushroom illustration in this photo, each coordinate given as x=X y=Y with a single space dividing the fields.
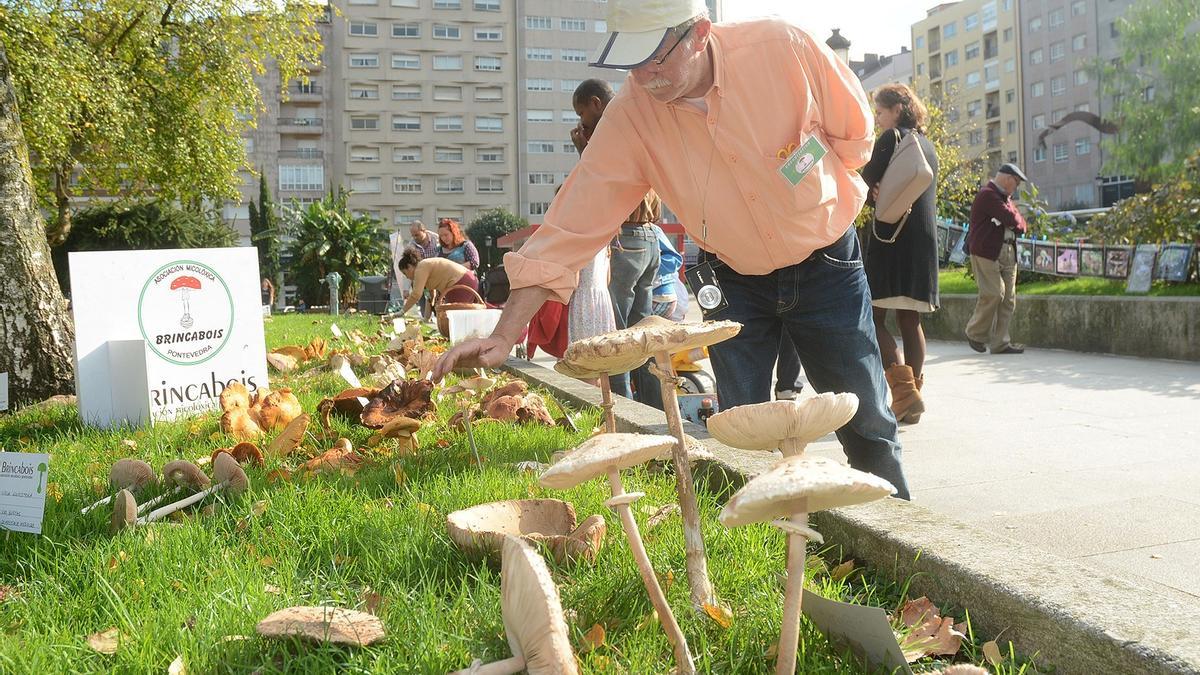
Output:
x=185 y=285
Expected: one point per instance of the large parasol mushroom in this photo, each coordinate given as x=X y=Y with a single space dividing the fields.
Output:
x=323 y=624
x=480 y=531
x=533 y=618
x=788 y=426
x=785 y=495
x=229 y=476
x=125 y=474
x=606 y=455
x=185 y=285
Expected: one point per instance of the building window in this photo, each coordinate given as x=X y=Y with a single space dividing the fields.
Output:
x=406 y=92
x=1036 y=56
x=539 y=116
x=447 y=62
x=406 y=155
x=971 y=22
x=364 y=123
x=406 y=123
x=573 y=25
x=951 y=58
x=487 y=5
x=1085 y=193
x=449 y=185
x=1056 y=18
x=447 y=4
x=451 y=155
x=539 y=85
x=539 y=54
x=1039 y=154
x=1035 y=24
x=1039 y=121
x=406 y=30
x=489 y=94
x=1058 y=85
x=1058 y=50
x=975 y=137
x=971 y=51
x=570 y=117
x=540 y=147
x=1081 y=77
x=1057 y=115
x=1083 y=107
x=1012 y=156
x=487 y=63
x=369 y=185
x=949 y=30
x=448 y=123
x=447 y=93
x=575 y=55
x=541 y=178
x=368 y=92
x=1008 y=35
x=364 y=60
x=570 y=86
x=1010 y=96
x=489 y=124
x=920 y=68
x=300 y=177
x=1079 y=42
x=488 y=34
x=406 y=186
x=1060 y=153
x=973 y=80
x=414 y=4
x=974 y=108
x=406 y=61
x=1078 y=8
x=569 y=148
x=919 y=43
x=1010 y=65
x=364 y=154
x=1010 y=127
x=405 y=218
x=489 y=185
x=444 y=32
x=538 y=208
x=539 y=23
x=364 y=29
x=1083 y=146
x=489 y=155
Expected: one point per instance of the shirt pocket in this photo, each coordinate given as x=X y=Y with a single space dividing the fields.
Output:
x=817 y=189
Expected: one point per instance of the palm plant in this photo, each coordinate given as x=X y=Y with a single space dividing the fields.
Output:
x=327 y=237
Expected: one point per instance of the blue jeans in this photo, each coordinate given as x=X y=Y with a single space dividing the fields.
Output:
x=634 y=269
x=787 y=370
x=824 y=305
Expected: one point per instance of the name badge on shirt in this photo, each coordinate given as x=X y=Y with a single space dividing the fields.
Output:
x=802 y=161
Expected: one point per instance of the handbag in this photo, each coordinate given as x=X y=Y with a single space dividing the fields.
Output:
x=907 y=177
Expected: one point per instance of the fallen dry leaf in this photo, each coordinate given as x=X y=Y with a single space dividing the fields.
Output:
x=272 y=589
x=934 y=637
x=129 y=443
x=720 y=614
x=233 y=638
x=7 y=592
x=54 y=492
x=278 y=475
x=399 y=475
x=668 y=581
x=650 y=619
x=592 y=639
x=425 y=508
x=177 y=667
x=661 y=515
x=372 y=601
x=260 y=507
x=991 y=651
x=842 y=571
x=115 y=561
x=105 y=642
x=267 y=561
x=916 y=611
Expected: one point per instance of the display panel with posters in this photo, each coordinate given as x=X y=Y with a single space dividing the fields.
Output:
x=1141 y=270
x=1091 y=260
x=1025 y=255
x=1174 y=262
x=1066 y=260
x=1043 y=257
x=1116 y=261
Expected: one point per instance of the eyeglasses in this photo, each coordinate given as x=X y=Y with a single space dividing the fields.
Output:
x=662 y=59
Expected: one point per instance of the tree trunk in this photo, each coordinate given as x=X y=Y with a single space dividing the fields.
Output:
x=36 y=332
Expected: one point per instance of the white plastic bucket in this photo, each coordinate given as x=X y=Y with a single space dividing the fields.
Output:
x=471 y=323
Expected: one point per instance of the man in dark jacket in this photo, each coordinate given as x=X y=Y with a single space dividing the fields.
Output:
x=991 y=241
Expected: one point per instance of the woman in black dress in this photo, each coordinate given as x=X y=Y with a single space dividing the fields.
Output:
x=903 y=274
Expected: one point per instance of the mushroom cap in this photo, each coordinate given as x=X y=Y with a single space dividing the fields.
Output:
x=183 y=473
x=244 y=452
x=480 y=530
x=124 y=512
x=696 y=451
x=277 y=409
x=471 y=384
x=595 y=456
x=407 y=398
x=533 y=616
x=131 y=473
x=227 y=470
x=624 y=350
x=239 y=423
x=292 y=351
x=281 y=362
x=347 y=403
x=235 y=395
x=801 y=484
x=401 y=426
x=765 y=426
x=323 y=624
x=185 y=282
x=289 y=439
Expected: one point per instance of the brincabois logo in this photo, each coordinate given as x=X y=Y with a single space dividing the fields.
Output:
x=185 y=312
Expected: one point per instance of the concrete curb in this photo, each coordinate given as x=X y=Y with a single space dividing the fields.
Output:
x=1073 y=617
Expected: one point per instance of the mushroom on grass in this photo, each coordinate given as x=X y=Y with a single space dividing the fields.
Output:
x=785 y=495
x=463 y=391
x=533 y=618
x=323 y=624
x=606 y=455
x=592 y=359
x=788 y=426
x=480 y=531
x=125 y=474
x=289 y=439
x=229 y=476
x=180 y=475
x=404 y=430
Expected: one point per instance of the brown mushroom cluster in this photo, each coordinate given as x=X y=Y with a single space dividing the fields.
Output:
x=246 y=418
x=513 y=402
x=288 y=358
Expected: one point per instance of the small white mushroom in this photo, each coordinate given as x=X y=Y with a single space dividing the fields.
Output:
x=788 y=426
x=533 y=618
x=606 y=455
x=126 y=474
x=229 y=476
x=785 y=495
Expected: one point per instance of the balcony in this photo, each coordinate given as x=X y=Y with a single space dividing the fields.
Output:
x=302 y=153
x=993 y=111
x=305 y=91
x=301 y=125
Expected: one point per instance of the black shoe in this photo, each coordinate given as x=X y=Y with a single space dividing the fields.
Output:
x=1011 y=348
x=977 y=346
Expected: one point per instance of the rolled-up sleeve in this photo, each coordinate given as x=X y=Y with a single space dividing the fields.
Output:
x=599 y=193
x=845 y=113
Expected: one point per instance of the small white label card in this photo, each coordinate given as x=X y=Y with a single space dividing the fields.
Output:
x=3 y=391
x=337 y=332
x=23 y=481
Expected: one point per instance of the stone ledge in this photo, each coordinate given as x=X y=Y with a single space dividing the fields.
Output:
x=1069 y=615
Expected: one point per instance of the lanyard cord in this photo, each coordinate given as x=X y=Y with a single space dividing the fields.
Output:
x=707 y=176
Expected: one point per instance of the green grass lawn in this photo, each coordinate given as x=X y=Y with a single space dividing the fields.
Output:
x=181 y=589
x=956 y=280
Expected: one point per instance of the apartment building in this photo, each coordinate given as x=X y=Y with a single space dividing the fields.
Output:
x=1060 y=40
x=876 y=70
x=966 y=58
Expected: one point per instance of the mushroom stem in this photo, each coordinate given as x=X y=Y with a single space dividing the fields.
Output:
x=620 y=503
x=693 y=541
x=167 y=510
x=606 y=402
x=84 y=511
x=142 y=508
x=792 y=447
x=509 y=666
x=471 y=435
x=789 y=635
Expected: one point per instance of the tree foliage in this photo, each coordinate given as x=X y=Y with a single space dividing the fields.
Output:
x=1155 y=89
x=494 y=223
x=132 y=97
x=1170 y=212
x=153 y=224
x=264 y=230
x=327 y=237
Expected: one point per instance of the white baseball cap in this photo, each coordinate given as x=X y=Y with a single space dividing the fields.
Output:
x=639 y=27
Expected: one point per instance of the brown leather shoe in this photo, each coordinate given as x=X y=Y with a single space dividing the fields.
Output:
x=906 y=399
x=1011 y=348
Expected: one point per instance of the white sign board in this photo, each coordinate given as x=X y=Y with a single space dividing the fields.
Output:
x=23 y=480
x=865 y=630
x=158 y=334
x=3 y=391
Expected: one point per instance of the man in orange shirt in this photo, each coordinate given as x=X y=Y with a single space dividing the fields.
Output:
x=752 y=131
